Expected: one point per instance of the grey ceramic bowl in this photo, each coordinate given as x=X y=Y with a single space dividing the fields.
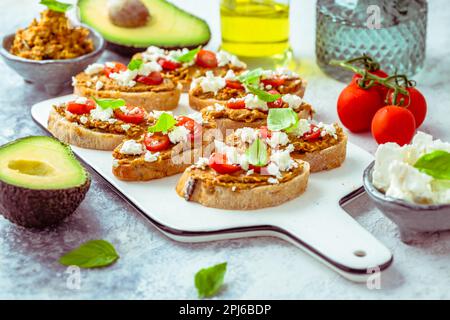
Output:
x=53 y=75
x=413 y=220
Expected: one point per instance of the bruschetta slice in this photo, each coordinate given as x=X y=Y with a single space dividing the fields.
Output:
x=323 y=146
x=211 y=89
x=256 y=178
x=171 y=144
x=252 y=111
x=139 y=84
x=183 y=65
x=96 y=124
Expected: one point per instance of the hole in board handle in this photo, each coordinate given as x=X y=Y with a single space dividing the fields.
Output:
x=360 y=253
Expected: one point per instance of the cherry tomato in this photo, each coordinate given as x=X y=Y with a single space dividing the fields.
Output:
x=416 y=101
x=206 y=59
x=265 y=133
x=168 y=64
x=236 y=104
x=274 y=82
x=116 y=69
x=257 y=169
x=218 y=162
x=153 y=79
x=81 y=108
x=156 y=142
x=135 y=115
x=356 y=107
x=381 y=89
x=277 y=103
x=312 y=135
x=393 y=124
x=194 y=127
x=234 y=84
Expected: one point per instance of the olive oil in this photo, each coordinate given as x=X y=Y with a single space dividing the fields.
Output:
x=255 y=28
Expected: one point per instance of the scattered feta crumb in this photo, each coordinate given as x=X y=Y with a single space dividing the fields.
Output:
x=101 y=114
x=202 y=163
x=156 y=114
x=250 y=172
x=273 y=181
x=234 y=188
x=292 y=100
x=178 y=134
x=98 y=85
x=125 y=78
x=112 y=121
x=94 y=69
x=81 y=100
x=88 y=83
x=149 y=67
x=253 y=102
x=327 y=129
x=151 y=157
x=230 y=75
x=219 y=107
x=115 y=163
x=131 y=147
x=209 y=83
x=125 y=127
x=302 y=127
x=83 y=119
x=74 y=81
x=247 y=135
x=277 y=139
x=224 y=58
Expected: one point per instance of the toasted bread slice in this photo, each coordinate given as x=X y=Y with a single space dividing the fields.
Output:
x=77 y=135
x=200 y=103
x=198 y=188
x=149 y=100
x=326 y=159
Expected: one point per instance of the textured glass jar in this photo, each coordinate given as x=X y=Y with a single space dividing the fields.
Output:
x=393 y=32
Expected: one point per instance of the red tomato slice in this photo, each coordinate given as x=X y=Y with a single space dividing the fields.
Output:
x=81 y=108
x=156 y=142
x=312 y=135
x=153 y=79
x=116 y=69
x=194 y=127
x=277 y=103
x=218 y=162
x=236 y=104
x=234 y=84
x=264 y=132
x=135 y=115
x=168 y=64
x=206 y=59
x=256 y=169
x=274 y=82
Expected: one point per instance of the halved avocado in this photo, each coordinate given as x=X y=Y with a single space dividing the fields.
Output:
x=41 y=182
x=168 y=27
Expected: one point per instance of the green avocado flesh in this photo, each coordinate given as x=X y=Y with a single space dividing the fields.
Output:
x=168 y=26
x=40 y=163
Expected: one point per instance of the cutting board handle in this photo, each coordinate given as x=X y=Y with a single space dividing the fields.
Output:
x=340 y=242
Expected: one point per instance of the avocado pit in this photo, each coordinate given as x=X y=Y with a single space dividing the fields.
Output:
x=128 y=13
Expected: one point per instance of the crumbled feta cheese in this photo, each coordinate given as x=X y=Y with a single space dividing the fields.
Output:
x=230 y=152
x=202 y=163
x=250 y=172
x=156 y=114
x=151 y=157
x=125 y=78
x=98 y=85
x=224 y=58
x=233 y=188
x=74 y=81
x=277 y=139
x=88 y=83
x=196 y=116
x=173 y=55
x=115 y=163
x=303 y=126
x=273 y=170
x=83 y=119
x=219 y=107
x=253 y=102
x=112 y=121
x=125 y=127
x=110 y=64
x=101 y=114
x=178 y=134
x=327 y=129
x=269 y=87
x=131 y=147
x=292 y=100
x=283 y=159
x=149 y=67
x=153 y=53
x=95 y=78
x=94 y=69
x=247 y=135
x=230 y=75
x=81 y=100
x=394 y=171
x=273 y=180
x=209 y=83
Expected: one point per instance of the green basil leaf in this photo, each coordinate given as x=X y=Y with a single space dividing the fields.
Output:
x=257 y=153
x=251 y=77
x=135 y=64
x=188 y=56
x=435 y=164
x=56 y=5
x=110 y=103
x=281 y=119
x=164 y=123
x=209 y=280
x=264 y=95
x=92 y=254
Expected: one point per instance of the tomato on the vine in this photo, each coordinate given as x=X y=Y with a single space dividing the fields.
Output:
x=379 y=73
x=415 y=103
x=393 y=124
x=356 y=107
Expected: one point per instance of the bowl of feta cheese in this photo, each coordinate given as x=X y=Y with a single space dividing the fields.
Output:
x=411 y=185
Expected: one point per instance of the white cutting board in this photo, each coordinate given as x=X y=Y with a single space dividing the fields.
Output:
x=314 y=222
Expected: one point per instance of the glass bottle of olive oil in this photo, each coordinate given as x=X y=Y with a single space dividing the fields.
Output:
x=255 y=28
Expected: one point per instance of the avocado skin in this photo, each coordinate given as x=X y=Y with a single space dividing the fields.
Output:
x=40 y=208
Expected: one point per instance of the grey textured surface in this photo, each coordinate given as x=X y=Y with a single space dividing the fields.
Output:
x=154 y=267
